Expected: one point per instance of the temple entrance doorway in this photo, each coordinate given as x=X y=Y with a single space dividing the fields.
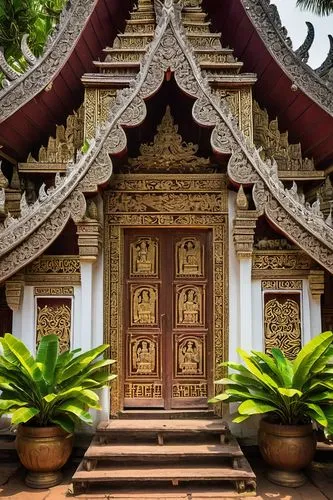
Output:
x=167 y=317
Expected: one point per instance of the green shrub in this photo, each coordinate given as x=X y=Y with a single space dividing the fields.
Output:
x=52 y=388
x=289 y=392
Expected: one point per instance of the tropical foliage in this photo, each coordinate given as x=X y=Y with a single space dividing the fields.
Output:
x=289 y=392
x=320 y=7
x=37 y=18
x=52 y=388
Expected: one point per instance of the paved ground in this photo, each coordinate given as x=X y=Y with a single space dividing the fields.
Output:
x=12 y=487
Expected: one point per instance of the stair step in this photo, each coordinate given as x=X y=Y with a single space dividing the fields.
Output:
x=207 y=426
x=163 y=473
x=167 y=414
x=129 y=451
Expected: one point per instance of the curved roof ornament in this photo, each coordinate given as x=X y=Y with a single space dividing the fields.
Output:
x=26 y=51
x=303 y=51
x=267 y=23
x=9 y=72
x=25 y=239
x=324 y=70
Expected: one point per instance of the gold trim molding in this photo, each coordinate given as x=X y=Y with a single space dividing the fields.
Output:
x=53 y=291
x=118 y=216
x=282 y=285
x=54 y=270
x=280 y=264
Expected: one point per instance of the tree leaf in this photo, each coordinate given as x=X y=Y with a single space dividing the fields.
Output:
x=284 y=366
x=317 y=414
x=65 y=422
x=251 y=407
x=308 y=356
x=290 y=393
x=47 y=355
x=23 y=356
x=22 y=415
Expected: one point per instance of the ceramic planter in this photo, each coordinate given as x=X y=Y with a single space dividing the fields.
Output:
x=287 y=449
x=43 y=451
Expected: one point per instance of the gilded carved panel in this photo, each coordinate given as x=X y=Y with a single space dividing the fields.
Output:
x=97 y=103
x=190 y=391
x=54 y=315
x=190 y=353
x=143 y=391
x=280 y=264
x=144 y=305
x=144 y=356
x=144 y=257
x=282 y=323
x=189 y=258
x=54 y=270
x=190 y=305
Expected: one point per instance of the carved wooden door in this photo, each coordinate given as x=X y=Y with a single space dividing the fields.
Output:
x=167 y=318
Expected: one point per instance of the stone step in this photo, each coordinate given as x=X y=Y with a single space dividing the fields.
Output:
x=192 y=426
x=244 y=477
x=96 y=451
x=161 y=429
x=168 y=414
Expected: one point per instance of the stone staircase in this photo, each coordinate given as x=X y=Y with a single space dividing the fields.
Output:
x=169 y=451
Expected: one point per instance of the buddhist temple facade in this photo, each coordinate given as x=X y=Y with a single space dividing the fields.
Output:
x=165 y=188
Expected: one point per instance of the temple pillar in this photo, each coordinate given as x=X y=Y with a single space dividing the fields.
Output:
x=234 y=310
x=14 y=289
x=89 y=240
x=317 y=288
x=243 y=235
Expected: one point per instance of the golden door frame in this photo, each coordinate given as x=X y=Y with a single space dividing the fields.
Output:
x=197 y=201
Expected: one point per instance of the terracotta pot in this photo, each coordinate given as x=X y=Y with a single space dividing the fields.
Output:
x=287 y=449
x=43 y=451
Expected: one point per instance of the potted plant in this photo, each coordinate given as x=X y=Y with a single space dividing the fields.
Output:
x=47 y=396
x=291 y=396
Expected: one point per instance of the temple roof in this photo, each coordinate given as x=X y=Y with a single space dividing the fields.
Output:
x=45 y=95
x=39 y=223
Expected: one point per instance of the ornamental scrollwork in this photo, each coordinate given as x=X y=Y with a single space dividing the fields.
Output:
x=282 y=323
x=55 y=319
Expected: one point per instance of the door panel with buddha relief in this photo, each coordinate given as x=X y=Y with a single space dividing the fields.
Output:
x=167 y=318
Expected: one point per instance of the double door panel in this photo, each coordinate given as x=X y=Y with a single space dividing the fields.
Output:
x=167 y=318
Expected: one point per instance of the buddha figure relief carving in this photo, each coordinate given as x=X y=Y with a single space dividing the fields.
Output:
x=144 y=255
x=190 y=310
x=143 y=305
x=189 y=257
x=190 y=357
x=143 y=357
